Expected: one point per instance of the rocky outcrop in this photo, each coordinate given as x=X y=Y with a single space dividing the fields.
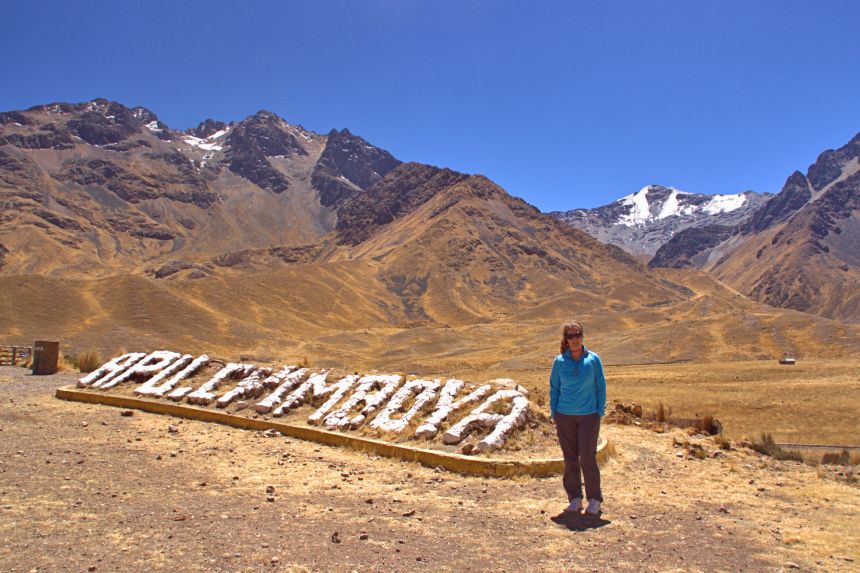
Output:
x=146 y=116
x=251 y=141
x=253 y=166
x=173 y=267
x=828 y=167
x=126 y=185
x=839 y=203
x=207 y=127
x=107 y=122
x=20 y=176
x=401 y=191
x=348 y=164
x=56 y=219
x=180 y=184
x=49 y=136
x=681 y=249
x=266 y=133
x=15 y=117
x=3 y=252
x=794 y=195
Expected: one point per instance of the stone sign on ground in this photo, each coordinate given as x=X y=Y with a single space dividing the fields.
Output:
x=388 y=403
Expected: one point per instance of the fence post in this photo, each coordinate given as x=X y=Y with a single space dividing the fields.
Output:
x=14 y=355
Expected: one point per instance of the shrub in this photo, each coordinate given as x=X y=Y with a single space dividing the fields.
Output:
x=89 y=360
x=767 y=446
x=840 y=459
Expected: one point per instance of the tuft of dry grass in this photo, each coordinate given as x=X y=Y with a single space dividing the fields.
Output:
x=722 y=442
x=705 y=424
x=767 y=446
x=842 y=458
x=662 y=413
x=89 y=360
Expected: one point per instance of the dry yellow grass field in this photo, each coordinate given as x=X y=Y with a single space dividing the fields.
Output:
x=811 y=402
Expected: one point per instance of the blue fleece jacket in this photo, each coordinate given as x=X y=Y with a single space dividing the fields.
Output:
x=577 y=387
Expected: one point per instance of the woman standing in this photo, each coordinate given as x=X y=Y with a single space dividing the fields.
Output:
x=577 y=399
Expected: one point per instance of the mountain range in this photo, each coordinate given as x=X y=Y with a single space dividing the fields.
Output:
x=264 y=238
x=642 y=222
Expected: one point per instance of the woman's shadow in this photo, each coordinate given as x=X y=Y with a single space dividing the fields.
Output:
x=579 y=521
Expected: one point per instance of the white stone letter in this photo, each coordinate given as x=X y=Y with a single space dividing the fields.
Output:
x=425 y=390
x=110 y=369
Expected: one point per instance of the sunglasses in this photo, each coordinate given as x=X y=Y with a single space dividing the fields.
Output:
x=570 y=335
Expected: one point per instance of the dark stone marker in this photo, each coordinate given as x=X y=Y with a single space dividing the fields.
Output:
x=45 y=356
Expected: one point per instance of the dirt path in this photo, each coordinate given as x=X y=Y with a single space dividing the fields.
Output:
x=83 y=487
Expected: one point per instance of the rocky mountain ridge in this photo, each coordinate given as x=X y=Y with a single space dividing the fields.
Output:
x=118 y=192
x=98 y=173
x=642 y=222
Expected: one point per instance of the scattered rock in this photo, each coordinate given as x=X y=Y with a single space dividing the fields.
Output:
x=335 y=538
x=409 y=513
x=272 y=433
x=363 y=536
x=172 y=429
x=270 y=498
x=127 y=413
x=269 y=488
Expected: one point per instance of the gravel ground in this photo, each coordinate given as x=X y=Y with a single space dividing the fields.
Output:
x=85 y=488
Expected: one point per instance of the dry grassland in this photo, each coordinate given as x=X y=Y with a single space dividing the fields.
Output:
x=811 y=402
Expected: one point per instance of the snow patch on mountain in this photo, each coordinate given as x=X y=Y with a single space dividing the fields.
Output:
x=210 y=143
x=724 y=203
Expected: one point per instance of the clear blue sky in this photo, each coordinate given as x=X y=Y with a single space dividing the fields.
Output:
x=566 y=104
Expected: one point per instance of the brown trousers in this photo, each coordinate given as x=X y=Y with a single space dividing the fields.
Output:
x=577 y=436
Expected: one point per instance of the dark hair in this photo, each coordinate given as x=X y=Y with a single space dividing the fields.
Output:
x=572 y=324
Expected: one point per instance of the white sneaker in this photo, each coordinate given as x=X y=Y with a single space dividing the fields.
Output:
x=593 y=507
x=575 y=506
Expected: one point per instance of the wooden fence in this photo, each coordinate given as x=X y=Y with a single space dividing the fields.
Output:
x=15 y=355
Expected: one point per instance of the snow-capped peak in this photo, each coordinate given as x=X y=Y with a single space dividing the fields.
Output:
x=655 y=202
x=640 y=205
